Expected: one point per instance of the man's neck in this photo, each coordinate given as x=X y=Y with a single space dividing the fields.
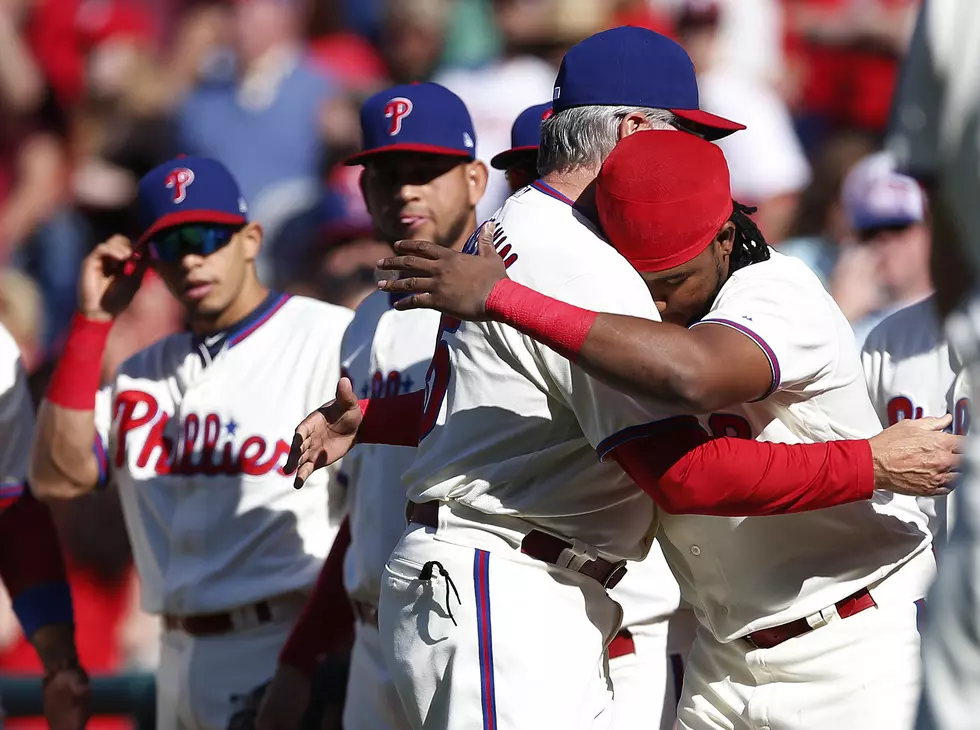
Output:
x=247 y=301
x=577 y=184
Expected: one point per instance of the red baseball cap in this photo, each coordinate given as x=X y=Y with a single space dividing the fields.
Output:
x=662 y=197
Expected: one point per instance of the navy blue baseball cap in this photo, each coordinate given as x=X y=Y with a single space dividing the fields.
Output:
x=630 y=66
x=415 y=118
x=189 y=190
x=524 y=135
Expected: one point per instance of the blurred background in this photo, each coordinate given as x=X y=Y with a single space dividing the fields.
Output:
x=93 y=93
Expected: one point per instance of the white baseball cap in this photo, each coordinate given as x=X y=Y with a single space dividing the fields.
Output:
x=874 y=195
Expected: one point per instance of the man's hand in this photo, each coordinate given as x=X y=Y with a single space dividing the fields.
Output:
x=285 y=701
x=325 y=435
x=67 y=698
x=110 y=278
x=438 y=278
x=916 y=457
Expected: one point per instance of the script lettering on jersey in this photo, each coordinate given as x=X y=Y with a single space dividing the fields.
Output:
x=901 y=407
x=204 y=445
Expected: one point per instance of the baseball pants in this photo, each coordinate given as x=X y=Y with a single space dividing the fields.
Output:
x=850 y=674
x=478 y=635
x=372 y=701
x=203 y=680
x=647 y=683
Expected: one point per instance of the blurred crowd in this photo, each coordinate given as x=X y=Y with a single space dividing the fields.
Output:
x=94 y=93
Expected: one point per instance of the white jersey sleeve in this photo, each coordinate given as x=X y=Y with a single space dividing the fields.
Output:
x=799 y=342
x=16 y=421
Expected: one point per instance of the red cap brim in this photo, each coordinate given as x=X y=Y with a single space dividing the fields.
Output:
x=710 y=125
x=360 y=157
x=190 y=216
x=505 y=159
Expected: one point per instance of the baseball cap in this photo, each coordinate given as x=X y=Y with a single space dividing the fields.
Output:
x=189 y=190
x=662 y=197
x=875 y=195
x=630 y=66
x=423 y=117
x=525 y=135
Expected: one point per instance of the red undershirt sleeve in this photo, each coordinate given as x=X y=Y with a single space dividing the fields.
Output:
x=327 y=620
x=686 y=471
x=391 y=421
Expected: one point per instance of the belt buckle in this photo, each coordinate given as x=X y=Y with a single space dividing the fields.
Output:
x=615 y=575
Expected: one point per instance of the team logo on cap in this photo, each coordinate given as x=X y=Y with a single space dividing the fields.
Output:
x=397 y=109
x=178 y=180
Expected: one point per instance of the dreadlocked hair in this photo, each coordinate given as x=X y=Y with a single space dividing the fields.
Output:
x=750 y=246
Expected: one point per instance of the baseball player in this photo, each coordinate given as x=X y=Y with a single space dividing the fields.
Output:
x=31 y=565
x=516 y=527
x=792 y=374
x=934 y=135
x=647 y=655
x=421 y=178
x=189 y=431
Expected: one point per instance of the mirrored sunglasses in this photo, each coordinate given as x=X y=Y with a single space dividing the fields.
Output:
x=201 y=239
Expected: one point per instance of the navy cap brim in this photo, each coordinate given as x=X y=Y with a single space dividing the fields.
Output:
x=360 y=157
x=184 y=217
x=505 y=159
x=711 y=126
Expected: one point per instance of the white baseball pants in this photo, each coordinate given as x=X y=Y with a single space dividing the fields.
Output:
x=856 y=673
x=522 y=646
x=647 y=684
x=372 y=701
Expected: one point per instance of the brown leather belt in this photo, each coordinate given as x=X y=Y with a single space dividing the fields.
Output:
x=622 y=644
x=768 y=638
x=365 y=613
x=536 y=544
x=213 y=624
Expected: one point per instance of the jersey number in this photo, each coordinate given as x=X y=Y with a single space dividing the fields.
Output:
x=437 y=378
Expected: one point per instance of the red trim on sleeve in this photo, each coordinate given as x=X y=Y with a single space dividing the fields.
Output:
x=30 y=553
x=391 y=421
x=686 y=471
x=327 y=620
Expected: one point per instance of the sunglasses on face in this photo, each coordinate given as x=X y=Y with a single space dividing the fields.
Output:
x=199 y=239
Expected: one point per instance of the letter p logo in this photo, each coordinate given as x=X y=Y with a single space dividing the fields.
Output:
x=178 y=180
x=396 y=110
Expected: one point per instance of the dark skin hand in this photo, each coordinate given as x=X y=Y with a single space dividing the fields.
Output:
x=667 y=362
x=67 y=696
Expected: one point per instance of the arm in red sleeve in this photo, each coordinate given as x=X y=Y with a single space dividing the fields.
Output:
x=32 y=567
x=391 y=421
x=686 y=471
x=327 y=621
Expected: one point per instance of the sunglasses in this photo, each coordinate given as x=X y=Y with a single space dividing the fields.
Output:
x=199 y=239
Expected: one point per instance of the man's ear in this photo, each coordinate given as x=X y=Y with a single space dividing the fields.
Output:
x=251 y=236
x=362 y=184
x=725 y=238
x=476 y=180
x=632 y=122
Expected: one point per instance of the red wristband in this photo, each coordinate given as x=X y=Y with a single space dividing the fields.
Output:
x=78 y=376
x=561 y=326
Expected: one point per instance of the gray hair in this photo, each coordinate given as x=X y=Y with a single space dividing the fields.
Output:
x=586 y=135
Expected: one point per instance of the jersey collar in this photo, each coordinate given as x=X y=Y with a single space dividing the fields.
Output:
x=542 y=187
x=246 y=326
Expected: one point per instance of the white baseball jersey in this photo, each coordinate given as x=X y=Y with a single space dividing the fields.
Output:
x=910 y=370
x=510 y=427
x=743 y=574
x=385 y=352
x=16 y=421
x=195 y=434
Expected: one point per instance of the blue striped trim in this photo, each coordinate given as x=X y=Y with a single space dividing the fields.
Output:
x=763 y=345
x=677 y=670
x=481 y=579
x=10 y=492
x=102 y=459
x=264 y=317
x=542 y=187
x=643 y=430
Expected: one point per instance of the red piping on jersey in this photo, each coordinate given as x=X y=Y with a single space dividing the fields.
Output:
x=763 y=345
x=686 y=471
x=275 y=307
